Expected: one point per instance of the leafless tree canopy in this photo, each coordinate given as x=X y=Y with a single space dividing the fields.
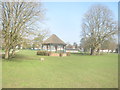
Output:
x=16 y=17
x=98 y=25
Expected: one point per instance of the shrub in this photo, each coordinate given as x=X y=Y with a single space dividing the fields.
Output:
x=47 y=53
x=68 y=53
x=60 y=54
x=43 y=53
x=3 y=56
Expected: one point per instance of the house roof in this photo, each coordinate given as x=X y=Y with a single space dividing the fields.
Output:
x=53 y=39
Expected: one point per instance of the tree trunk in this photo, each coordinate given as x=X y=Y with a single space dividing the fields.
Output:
x=92 y=51
x=98 y=51
x=112 y=51
x=7 y=54
x=108 y=51
x=13 y=53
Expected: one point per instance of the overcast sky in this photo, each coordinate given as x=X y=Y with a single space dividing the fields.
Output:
x=64 y=18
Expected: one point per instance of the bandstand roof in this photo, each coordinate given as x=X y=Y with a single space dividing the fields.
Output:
x=53 y=39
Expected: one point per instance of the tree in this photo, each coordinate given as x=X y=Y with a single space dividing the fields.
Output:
x=84 y=43
x=16 y=17
x=98 y=25
x=109 y=44
x=75 y=45
x=41 y=36
x=26 y=43
x=69 y=45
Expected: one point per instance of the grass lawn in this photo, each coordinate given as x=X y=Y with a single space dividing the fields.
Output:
x=75 y=71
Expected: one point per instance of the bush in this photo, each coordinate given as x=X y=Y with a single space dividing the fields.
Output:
x=60 y=54
x=43 y=53
x=68 y=53
x=3 y=56
x=47 y=53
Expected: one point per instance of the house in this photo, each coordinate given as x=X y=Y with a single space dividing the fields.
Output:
x=54 y=43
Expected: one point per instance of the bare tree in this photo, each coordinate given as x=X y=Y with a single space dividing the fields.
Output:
x=40 y=37
x=75 y=45
x=84 y=43
x=16 y=17
x=98 y=24
x=109 y=44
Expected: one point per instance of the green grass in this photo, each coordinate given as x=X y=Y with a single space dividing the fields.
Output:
x=27 y=71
